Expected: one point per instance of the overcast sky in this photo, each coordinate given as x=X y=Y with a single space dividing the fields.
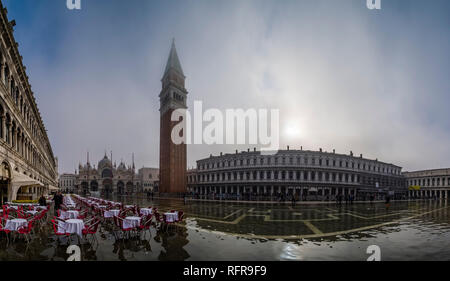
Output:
x=343 y=77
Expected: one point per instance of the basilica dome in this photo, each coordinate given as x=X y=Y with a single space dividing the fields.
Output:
x=105 y=162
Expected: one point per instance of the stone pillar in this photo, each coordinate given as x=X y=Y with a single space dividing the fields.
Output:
x=19 y=140
x=3 y=126
x=9 y=125
x=2 y=70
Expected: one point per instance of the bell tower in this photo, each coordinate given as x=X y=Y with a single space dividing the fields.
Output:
x=172 y=157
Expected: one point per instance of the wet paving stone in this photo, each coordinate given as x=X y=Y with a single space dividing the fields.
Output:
x=233 y=231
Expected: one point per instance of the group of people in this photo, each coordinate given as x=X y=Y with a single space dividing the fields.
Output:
x=349 y=198
x=150 y=194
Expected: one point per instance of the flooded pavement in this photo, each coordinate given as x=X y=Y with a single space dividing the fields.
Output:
x=415 y=230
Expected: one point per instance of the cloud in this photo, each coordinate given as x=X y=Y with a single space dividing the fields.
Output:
x=346 y=77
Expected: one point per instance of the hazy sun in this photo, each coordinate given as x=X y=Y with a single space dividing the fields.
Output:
x=292 y=131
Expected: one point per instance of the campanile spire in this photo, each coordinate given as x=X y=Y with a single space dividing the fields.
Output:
x=172 y=157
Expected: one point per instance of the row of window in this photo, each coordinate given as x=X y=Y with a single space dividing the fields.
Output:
x=429 y=182
x=293 y=176
x=19 y=142
x=22 y=103
x=299 y=161
x=66 y=183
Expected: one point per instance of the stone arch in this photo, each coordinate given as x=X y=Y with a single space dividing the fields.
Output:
x=120 y=187
x=107 y=173
x=94 y=186
x=107 y=186
x=5 y=181
x=129 y=187
x=84 y=187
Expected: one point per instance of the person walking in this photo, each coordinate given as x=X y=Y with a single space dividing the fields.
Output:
x=42 y=201
x=293 y=200
x=388 y=200
x=58 y=198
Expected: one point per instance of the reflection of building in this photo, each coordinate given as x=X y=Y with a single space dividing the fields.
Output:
x=302 y=172
x=428 y=183
x=67 y=182
x=172 y=160
x=28 y=166
x=148 y=178
x=107 y=178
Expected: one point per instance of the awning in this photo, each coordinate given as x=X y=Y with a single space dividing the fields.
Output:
x=23 y=180
x=53 y=188
x=414 y=187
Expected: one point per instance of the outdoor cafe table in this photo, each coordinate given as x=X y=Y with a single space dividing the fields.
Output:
x=41 y=207
x=32 y=212
x=146 y=211
x=71 y=226
x=15 y=224
x=72 y=214
x=171 y=217
x=131 y=222
x=111 y=213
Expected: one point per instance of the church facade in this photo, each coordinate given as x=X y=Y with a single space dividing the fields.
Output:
x=107 y=178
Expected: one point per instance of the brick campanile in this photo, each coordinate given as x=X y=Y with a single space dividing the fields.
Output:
x=172 y=157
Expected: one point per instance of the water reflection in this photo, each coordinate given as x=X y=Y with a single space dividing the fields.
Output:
x=232 y=231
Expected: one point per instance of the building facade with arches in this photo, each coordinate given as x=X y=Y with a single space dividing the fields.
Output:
x=107 y=178
x=28 y=166
x=308 y=174
x=433 y=183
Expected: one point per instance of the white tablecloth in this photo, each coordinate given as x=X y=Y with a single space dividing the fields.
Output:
x=15 y=224
x=72 y=214
x=171 y=217
x=68 y=201
x=71 y=226
x=31 y=212
x=146 y=211
x=41 y=207
x=131 y=222
x=111 y=213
